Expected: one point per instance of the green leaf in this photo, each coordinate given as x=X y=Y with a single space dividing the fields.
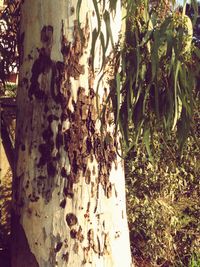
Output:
x=123 y=124
x=106 y=17
x=118 y=98
x=113 y=4
x=137 y=57
x=103 y=49
x=156 y=88
x=146 y=140
x=78 y=8
x=194 y=5
x=176 y=107
x=197 y=52
x=95 y=3
x=154 y=54
x=183 y=129
x=94 y=39
x=97 y=94
x=165 y=26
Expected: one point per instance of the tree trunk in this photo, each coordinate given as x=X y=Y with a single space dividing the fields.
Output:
x=69 y=188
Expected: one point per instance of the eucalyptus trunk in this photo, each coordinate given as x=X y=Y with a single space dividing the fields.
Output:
x=69 y=188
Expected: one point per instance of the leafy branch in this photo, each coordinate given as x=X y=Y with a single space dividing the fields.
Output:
x=158 y=77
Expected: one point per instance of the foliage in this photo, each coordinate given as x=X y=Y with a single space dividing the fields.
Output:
x=9 y=90
x=158 y=98
x=194 y=261
x=154 y=86
x=158 y=77
x=163 y=203
x=5 y=203
x=9 y=26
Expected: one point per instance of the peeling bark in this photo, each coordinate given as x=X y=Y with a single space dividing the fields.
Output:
x=69 y=190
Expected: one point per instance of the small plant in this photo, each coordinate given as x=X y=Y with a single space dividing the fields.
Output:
x=194 y=260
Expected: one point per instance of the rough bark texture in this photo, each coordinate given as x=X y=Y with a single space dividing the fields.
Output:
x=69 y=190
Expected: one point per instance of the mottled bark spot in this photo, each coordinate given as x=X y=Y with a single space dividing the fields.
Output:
x=41 y=65
x=47 y=34
x=117 y=234
x=47 y=134
x=88 y=176
x=30 y=57
x=79 y=234
x=89 y=144
x=75 y=248
x=23 y=147
x=109 y=190
x=65 y=257
x=59 y=139
x=93 y=170
x=106 y=248
x=58 y=247
x=63 y=172
x=51 y=169
x=45 y=151
x=63 y=203
x=71 y=219
x=73 y=233
x=72 y=10
x=90 y=237
x=86 y=254
x=41 y=177
x=27 y=184
x=52 y=118
x=73 y=52
x=68 y=191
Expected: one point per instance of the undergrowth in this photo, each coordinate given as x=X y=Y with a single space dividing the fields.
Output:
x=163 y=204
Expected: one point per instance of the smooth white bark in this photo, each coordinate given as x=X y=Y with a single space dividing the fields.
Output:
x=86 y=226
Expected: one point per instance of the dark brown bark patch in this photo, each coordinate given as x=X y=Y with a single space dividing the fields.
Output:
x=65 y=257
x=68 y=190
x=90 y=144
x=51 y=169
x=79 y=235
x=71 y=219
x=63 y=172
x=88 y=176
x=41 y=65
x=72 y=52
x=63 y=203
x=58 y=247
x=75 y=248
x=73 y=233
x=47 y=35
